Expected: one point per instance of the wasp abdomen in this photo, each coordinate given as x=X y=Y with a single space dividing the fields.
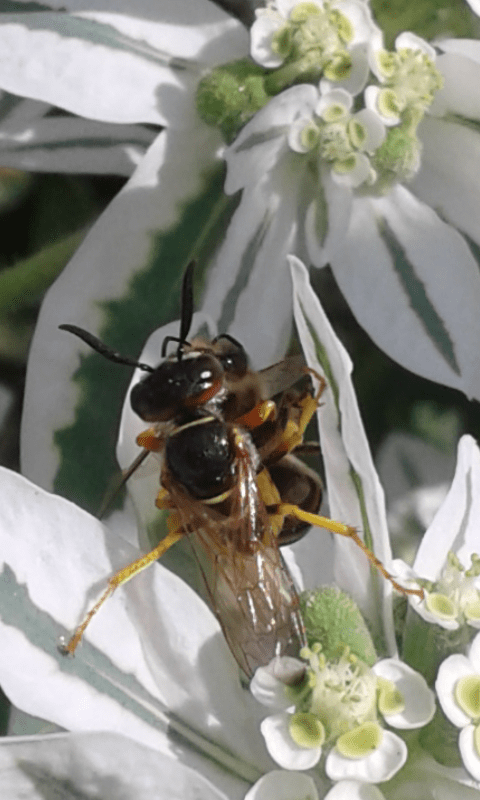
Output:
x=200 y=455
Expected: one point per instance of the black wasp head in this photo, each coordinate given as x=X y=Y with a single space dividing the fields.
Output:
x=186 y=382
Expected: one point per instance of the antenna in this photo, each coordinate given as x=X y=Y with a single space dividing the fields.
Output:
x=103 y=349
x=186 y=313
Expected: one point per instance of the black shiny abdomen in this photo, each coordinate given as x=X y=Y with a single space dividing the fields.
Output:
x=201 y=456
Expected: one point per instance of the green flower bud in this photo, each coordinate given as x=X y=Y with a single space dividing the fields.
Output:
x=334 y=619
x=230 y=95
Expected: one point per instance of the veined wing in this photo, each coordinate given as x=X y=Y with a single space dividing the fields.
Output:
x=248 y=585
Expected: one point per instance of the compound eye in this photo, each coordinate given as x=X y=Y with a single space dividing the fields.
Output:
x=232 y=357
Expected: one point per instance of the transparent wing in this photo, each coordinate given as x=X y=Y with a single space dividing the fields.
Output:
x=248 y=585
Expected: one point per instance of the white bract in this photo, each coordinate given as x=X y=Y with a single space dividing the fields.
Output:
x=447 y=564
x=338 y=704
x=458 y=690
x=358 y=190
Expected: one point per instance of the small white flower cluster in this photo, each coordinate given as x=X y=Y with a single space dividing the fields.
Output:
x=337 y=704
x=328 y=34
x=338 y=46
x=453 y=598
x=343 y=139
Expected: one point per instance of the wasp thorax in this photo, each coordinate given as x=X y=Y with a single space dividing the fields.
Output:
x=190 y=382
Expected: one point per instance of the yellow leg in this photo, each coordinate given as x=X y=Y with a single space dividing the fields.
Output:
x=121 y=577
x=258 y=415
x=295 y=430
x=311 y=403
x=351 y=533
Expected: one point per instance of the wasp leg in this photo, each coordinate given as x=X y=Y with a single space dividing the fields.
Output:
x=351 y=533
x=150 y=440
x=258 y=415
x=121 y=577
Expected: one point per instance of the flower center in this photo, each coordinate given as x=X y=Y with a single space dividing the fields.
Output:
x=339 y=138
x=343 y=692
x=455 y=596
x=314 y=40
x=410 y=78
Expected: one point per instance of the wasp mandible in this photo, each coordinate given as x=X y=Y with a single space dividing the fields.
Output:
x=230 y=481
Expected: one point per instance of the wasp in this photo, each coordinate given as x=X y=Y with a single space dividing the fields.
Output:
x=230 y=479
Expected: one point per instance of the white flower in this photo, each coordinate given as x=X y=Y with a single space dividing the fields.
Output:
x=312 y=37
x=361 y=226
x=458 y=690
x=447 y=562
x=341 y=137
x=338 y=703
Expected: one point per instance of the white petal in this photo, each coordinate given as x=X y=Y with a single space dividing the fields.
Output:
x=419 y=699
x=336 y=96
x=283 y=749
x=97 y=764
x=259 y=145
x=468 y=751
x=115 y=67
x=360 y=16
x=450 y=157
x=470 y=48
x=376 y=43
x=295 y=132
x=357 y=175
x=251 y=298
x=72 y=145
x=371 y=102
x=474 y=654
x=262 y=33
x=87 y=78
x=345 y=446
x=429 y=616
x=283 y=785
x=449 y=673
x=146 y=654
x=425 y=326
x=374 y=127
x=286 y=6
x=381 y=765
x=461 y=91
x=474 y=5
x=269 y=683
x=411 y=41
x=354 y=790
x=327 y=218
x=455 y=526
x=357 y=78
